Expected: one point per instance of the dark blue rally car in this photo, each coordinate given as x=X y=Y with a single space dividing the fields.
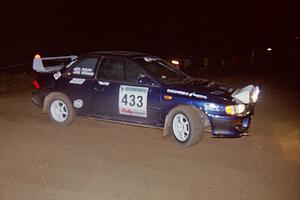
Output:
x=141 y=89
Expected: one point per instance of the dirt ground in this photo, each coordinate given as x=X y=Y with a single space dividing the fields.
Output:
x=92 y=159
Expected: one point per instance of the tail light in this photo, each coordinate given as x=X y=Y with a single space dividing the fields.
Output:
x=36 y=84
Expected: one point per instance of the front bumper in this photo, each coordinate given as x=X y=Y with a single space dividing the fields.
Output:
x=230 y=126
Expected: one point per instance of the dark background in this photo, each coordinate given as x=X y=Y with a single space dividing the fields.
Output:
x=217 y=30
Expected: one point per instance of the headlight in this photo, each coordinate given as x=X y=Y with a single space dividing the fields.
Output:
x=254 y=94
x=235 y=109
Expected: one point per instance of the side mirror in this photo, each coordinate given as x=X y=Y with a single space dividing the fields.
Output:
x=145 y=80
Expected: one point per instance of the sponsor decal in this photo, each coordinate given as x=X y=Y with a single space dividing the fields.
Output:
x=76 y=70
x=78 y=81
x=57 y=75
x=87 y=71
x=133 y=100
x=104 y=83
x=188 y=94
x=83 y=71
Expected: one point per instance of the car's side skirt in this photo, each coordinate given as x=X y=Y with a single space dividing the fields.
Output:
x=122 y=122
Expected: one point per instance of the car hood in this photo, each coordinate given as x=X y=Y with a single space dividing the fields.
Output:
x=202 y=89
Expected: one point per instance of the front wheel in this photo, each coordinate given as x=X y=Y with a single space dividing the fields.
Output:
x=60 y=109
x=187 y=125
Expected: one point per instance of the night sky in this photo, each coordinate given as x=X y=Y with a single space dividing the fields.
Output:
x=58 y=28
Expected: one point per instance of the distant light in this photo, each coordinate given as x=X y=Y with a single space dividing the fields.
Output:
x=37 y=56
x=297 y=37
x=269 y=49
x=175 y=62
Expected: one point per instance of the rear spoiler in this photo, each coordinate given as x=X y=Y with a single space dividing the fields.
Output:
x=248 y=94
x=52 y=64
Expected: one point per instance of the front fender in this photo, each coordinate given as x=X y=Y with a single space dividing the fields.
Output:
x=167 y=124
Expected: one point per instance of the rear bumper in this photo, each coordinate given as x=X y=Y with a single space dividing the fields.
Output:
x=230 y=126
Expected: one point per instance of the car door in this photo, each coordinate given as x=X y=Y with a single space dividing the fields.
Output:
x=76 y=82
x=118 y=95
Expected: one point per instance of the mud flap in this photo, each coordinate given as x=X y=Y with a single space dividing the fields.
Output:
x=167 y=125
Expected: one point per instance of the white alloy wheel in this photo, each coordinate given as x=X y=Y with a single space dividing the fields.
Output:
x=181 y=127
x=59 y=111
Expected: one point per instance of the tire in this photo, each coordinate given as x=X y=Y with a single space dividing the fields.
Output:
x=187 y=125
x=59 y=108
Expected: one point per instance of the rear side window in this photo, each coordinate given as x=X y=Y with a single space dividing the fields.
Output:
x=84 y=68
x=118 y=70
x=112 y=69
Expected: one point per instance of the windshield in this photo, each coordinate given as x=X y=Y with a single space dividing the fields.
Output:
x=161 y=70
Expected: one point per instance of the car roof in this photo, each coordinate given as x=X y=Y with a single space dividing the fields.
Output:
x=127 y=54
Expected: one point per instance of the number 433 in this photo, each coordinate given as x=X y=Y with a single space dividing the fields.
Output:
x=132 y=100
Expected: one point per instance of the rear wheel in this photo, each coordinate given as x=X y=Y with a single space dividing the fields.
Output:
x=60 y=109
x=187 y=125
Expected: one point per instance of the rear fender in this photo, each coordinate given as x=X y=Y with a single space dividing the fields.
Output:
x=48 y=98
